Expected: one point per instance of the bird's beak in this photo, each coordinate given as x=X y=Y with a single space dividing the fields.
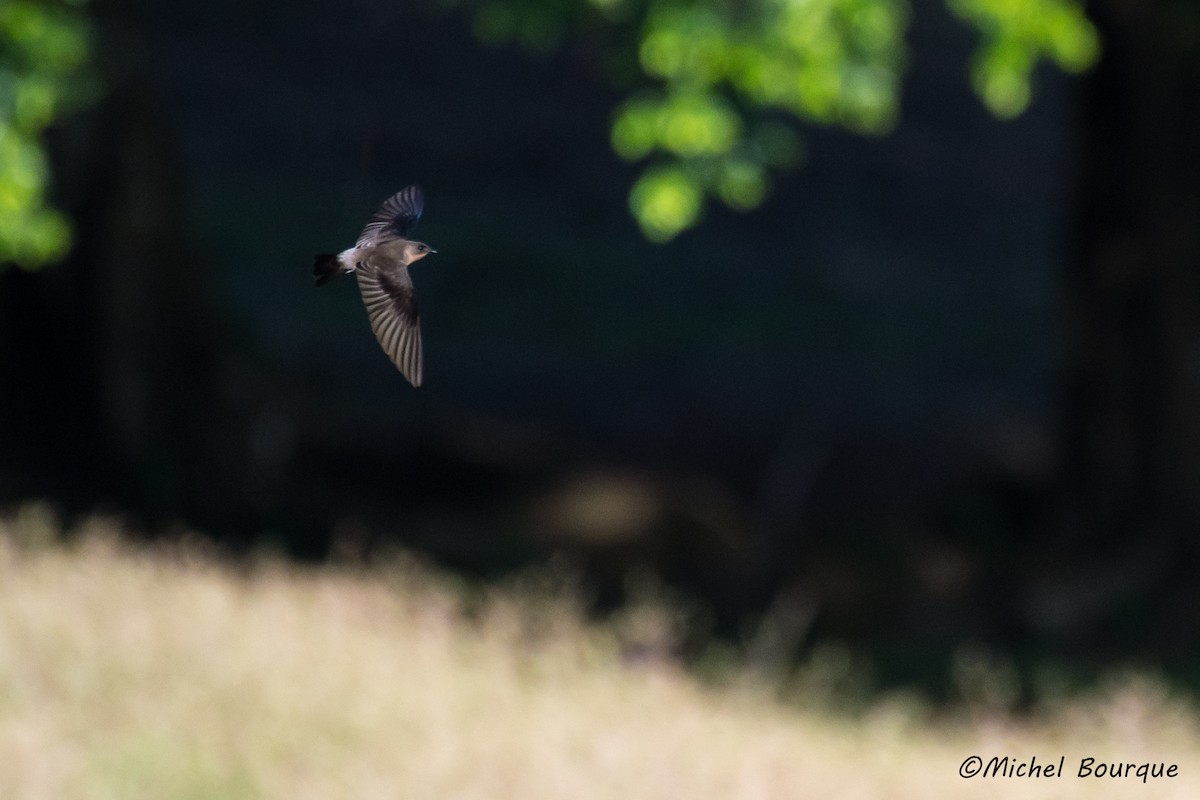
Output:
x=432 y=251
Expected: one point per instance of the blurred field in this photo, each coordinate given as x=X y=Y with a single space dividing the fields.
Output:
x=161 y=673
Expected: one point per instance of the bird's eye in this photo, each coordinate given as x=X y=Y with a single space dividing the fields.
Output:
x=422 y=248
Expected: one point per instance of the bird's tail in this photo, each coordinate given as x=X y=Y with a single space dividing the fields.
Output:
x=325 y=267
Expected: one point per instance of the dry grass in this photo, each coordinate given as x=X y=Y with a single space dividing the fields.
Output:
x=127 y=674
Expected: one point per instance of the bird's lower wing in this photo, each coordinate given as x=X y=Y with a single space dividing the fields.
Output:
x=388 y=295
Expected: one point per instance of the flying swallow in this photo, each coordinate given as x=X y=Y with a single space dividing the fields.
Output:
x=380 y=259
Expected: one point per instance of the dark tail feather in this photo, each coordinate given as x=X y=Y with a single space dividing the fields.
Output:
x=325 y=266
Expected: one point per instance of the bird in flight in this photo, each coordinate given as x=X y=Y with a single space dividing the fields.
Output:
x=380 y=259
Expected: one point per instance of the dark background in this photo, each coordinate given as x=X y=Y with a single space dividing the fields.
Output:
x=940 y=389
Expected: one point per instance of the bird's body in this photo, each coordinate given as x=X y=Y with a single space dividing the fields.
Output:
x=380 y=260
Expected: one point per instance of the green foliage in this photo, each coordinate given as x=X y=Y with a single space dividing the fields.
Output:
x=726 y=75
x=724 y=83
x=1016 y=35
x=43 y=52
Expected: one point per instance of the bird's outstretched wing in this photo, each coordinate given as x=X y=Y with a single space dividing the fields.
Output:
x=387 y=292
x=395 y=218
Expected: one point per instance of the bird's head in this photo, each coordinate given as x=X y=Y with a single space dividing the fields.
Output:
x=415 y=251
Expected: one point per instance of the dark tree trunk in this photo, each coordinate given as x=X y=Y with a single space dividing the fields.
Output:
x=112 y=358
x=1133 y=349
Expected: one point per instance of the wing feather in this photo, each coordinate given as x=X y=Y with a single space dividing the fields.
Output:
x=387 y=292
x=395 y=217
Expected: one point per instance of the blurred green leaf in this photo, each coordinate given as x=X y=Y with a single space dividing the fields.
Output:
x=726 y=71
x=1017 y=34
x=742 y=185
x=725 y=84
x=665 y=201
x=687 y=124
x=43 y=53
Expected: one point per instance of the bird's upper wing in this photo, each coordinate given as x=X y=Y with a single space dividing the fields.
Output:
x=395 y=218
x=387 y=291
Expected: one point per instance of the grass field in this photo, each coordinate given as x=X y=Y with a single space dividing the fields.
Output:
x=133 y=673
